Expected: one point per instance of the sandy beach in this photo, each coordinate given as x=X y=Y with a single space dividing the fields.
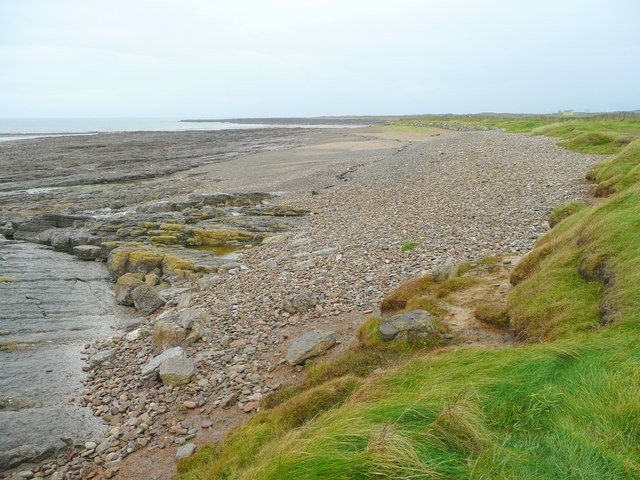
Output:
x=458 y=195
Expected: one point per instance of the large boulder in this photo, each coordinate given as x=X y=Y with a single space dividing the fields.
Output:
x=195 y=321
x=182 y=328
x=126 y=284
x=309 y=345
x=408 y=326
x=299 y=302
x=167 y=333
x=65 y=239
x=146 y=299
x=124 y=260
x=177 y=371
x=87 y=252
x=152 y=368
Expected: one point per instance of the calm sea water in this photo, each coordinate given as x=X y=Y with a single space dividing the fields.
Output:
x=23 y=128
x=16 y=128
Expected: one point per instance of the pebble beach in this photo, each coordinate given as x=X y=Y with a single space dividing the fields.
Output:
x=385 y=206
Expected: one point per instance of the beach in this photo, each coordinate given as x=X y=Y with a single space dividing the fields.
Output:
x=366 y=193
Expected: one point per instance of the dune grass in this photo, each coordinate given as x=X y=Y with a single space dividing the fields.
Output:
x=562 y=404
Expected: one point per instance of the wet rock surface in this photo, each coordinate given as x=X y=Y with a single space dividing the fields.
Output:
x=47 y=314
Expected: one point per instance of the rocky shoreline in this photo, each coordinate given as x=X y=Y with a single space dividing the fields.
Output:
x=350 y=201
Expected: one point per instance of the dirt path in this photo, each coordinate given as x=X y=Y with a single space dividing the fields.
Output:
x=492 y=288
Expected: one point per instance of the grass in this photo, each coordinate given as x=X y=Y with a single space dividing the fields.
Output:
x=493 y=314
x=563 y=211
x=423 y=293
x=562 y=404
x=409 y=246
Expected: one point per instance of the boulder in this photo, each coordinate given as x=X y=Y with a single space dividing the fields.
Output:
x=299 y=302
x=183 y=328
x=195 y=321
x=186 y=450
x=152 y=279
x=101 y=357
x=152 y=368
x=146 y=299
x=87 y=252
x=126 y=284
x=311 y=344
x=64 y=240
x=125 y=260
x=167 y=333
x=275 y=239
x=177 y=371
x=445 y=271
x=408 y=326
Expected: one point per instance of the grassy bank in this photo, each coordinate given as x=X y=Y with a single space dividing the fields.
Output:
x=563 y=403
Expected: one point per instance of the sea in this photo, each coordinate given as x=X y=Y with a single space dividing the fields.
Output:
x=26 y=128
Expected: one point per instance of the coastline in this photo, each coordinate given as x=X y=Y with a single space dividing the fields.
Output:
x=458 y=195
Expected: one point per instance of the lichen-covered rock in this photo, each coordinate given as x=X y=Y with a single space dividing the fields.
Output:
x=117 y=262
x=146 y=299
x=126 y=284
x=132 y=260
x=408 y=326
x=309 y=345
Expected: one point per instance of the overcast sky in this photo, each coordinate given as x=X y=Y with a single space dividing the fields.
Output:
x=253 y=58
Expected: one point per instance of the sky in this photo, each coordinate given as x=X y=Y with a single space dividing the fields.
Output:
x=279 y=58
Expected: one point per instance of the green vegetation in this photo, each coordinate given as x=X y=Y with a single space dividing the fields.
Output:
x=562 y=404
x=493 y=314
x=424 y=293
x=563 y=211
x=409 y=246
